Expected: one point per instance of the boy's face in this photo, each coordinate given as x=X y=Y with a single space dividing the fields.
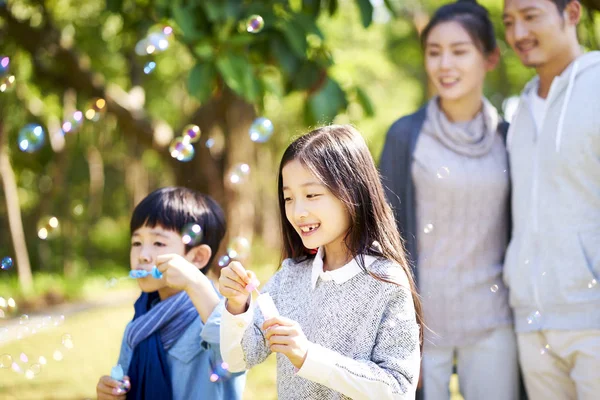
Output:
x=147 y=244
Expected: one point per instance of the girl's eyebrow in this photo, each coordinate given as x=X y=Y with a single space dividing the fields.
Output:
x=305 y=184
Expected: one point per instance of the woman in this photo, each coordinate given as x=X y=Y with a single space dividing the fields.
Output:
x=446 y=174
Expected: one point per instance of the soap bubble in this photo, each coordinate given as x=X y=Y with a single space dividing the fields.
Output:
x=31 y=138
x=181 y=150
x=224 y=261
x=57 y=355
x=191 y=133
x=95 y=109
x=24 y=320
x=22 y=331
x=534 y=318
x=494 y=288
x=428 y=228
x=4 y=65
x=592 y=284
x=48 y=227
x=43 y=360
x=214 y=377
x=7 y=83
x=255 y=24
x=73 y=123
x=443 y=172
x=23 y=357
x=149 y=67
x=67 y=341
x=6 y=360
x=191 y=234
x=59 y=320
x=7 y=263
x=238 y=174
x=11 y=302
x=238 y=248
x=15 y=367
x=261 y=130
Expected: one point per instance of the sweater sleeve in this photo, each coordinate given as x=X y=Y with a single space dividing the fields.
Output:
x=243 y=344
x=393 y=370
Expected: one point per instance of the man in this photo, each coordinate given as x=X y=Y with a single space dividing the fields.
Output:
x=552 y=265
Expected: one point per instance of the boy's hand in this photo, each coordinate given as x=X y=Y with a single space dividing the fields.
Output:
x=178 y=272
x=232 y=285
x=286 y=337
x=110 y=389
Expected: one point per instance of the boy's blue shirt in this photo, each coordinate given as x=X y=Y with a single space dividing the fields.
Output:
x=192 y=360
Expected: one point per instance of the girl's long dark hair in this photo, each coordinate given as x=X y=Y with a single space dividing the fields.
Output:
x=339 y=157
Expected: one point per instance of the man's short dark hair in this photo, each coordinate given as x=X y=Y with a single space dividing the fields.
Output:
x=561 y=4
x=174 y=208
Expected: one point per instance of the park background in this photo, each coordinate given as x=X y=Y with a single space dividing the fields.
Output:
x=65 y=206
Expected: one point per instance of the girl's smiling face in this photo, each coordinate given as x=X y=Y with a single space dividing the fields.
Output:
x=320 y=218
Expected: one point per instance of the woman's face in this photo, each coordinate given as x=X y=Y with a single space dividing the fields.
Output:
x=454 y=64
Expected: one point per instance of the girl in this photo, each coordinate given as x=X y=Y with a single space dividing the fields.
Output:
x=445 y=168
x=349 y=316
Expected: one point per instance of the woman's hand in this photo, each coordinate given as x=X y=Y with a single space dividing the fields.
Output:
x=286 y=337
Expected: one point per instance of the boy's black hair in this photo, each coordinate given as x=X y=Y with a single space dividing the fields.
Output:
x=173 y=208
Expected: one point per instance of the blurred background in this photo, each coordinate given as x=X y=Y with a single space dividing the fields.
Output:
x=102 y=102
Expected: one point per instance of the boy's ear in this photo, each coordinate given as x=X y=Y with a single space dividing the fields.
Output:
x=199 y=255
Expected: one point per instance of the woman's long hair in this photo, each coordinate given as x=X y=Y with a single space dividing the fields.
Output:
x=338 y=156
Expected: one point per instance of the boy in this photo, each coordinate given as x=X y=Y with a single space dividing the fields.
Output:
x=553 y=262
x=170 y=349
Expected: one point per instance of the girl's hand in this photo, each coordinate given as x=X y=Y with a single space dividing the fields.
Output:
x=233 y=285
x=178 y=273
x=286 y=337
x=110 y=389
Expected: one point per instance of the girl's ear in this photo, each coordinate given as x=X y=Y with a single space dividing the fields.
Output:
x=199 y=255
x=493 y=59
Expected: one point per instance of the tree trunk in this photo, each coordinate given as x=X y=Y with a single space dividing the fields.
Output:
x=15 y=221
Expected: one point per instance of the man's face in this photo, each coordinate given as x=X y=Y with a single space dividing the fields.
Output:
x=536 y=31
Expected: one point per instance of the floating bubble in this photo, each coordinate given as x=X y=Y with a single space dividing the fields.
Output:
x=545 y=349
x=214 y=377
x=443 y=172
x=149 y=67
x=261 y=130
x=141 y=47
x=31 y=138
x=225 y=366
x=23 y=357
x=255 y=24
x=95 y=109
x=7 y=83
x=191 y=234
x=6 y=263
x=238 y=248
x=43 y=360
x=29 y=374
x=210 y=142
x=73 y=123
x=59 y=320
x=23 y=331
x=534 y=318
x=11 y=302
x=428 y=228
x=4 y=65
x=181 y=150
x=6 y=360
x=57 y=355
x=15 y=367
x=67 y=341
x=46 y=320
x=77 y=209
x=224 y=261
x=112 y=282
x=191 y=133
x=48 y=227
x=238 y=174
x=24 y=320
x=494 y=288
x=3 y=302
x=592 y=284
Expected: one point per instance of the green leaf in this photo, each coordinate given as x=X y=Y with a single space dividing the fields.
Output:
x=309 y=74
x=308 y=24
x=114 y=6
x=365 y=102
x=239 y=75
x=311 y=7
x=186 y=20
x=204 y=50
x=286 y=59
x=366 y=12
x=201 y=81
x=296 y=38
x=324 y=105
x=391 y=8
x=333 y=6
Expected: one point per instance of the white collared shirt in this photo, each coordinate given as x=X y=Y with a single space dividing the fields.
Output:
x=339 y=275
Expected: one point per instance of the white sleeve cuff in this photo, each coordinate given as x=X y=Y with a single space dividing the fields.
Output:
x=319 y=364
x=232 y=332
